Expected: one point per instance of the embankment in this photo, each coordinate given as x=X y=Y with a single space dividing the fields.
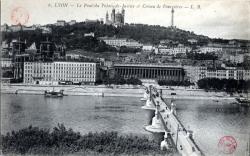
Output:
x=115 y=90
x=101 y=90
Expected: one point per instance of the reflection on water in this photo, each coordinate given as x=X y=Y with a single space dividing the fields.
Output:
x=210 y=120
x=81 y=113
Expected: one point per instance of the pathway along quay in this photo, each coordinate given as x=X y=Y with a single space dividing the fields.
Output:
x=163 y=123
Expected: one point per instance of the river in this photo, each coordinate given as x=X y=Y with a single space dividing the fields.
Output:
x=210 y=120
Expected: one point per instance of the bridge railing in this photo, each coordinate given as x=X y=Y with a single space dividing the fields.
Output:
x=182 y=137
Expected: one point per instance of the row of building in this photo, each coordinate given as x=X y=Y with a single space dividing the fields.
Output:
x=195 y=73
x=64 y=23
x=90 y=72
x=165 y=50
x=172 y=48
x=178 y=72
x=19 y=27
x=45 y=29
x=35 y=72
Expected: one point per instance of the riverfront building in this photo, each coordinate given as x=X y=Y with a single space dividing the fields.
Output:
x=195 y=73
x=150 y=71
x=38 y=72
x=60 y=71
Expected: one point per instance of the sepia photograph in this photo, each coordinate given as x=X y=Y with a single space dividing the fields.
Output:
x=125 y=77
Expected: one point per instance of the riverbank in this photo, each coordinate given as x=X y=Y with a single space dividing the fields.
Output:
x=86 y=90
x=114 y=90
x=62 y=141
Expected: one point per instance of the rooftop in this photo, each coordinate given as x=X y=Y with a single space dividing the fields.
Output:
x=147 y=65
x=111 y=38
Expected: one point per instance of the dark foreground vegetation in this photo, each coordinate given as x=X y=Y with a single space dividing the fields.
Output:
x=198 y=56
x=174 y=83
x=117 y=80
x=33 y=140
x=228 y=85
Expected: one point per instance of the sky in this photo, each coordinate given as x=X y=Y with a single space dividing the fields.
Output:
x=228 y=19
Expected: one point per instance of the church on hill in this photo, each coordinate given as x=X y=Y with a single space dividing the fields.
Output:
x=117 y=19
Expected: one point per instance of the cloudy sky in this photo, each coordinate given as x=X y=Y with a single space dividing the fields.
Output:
x=214 y=18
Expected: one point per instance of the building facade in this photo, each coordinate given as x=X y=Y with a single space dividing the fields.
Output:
x=18 y=58
x=72 y=22
x=60 y=23
x=195 y=73
x=60 y=71
x=246 y=75
x=6 y=68
x=148 y=47
x=46 y=50
x=6 y=63
x=165 y=50
x=115 y=42
x=38 y=72
x=150 y=71
x=76 y=72
x=239 y=58
x=209 y=49
x=119 y=42
x=91 y=34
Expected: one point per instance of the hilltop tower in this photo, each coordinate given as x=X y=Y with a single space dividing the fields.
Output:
x=172 y=17
x=113 y=16
x=123 y=15
x=107 y=16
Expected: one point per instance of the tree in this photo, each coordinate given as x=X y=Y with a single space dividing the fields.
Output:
x=228 y=85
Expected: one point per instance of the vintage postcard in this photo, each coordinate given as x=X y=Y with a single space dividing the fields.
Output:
x=125 y=77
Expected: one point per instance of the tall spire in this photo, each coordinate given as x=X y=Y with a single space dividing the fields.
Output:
x=123 y=15
x=107 y=16
x=113 y=16
x=172 y=17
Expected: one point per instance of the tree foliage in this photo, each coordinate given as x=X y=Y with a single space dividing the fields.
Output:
x=60 y=141
x=125 y=49
x=118 y=80
x=174 y=83
x=198 y=56
x=228 y=85
x=7 y=74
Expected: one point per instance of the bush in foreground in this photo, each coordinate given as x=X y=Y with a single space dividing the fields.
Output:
x=174 y=83
x=33 y=140
x=228 y=85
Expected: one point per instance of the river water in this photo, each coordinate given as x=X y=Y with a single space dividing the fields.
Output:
x=210 y=120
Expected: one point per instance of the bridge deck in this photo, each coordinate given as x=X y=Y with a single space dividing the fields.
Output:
x=183 y=139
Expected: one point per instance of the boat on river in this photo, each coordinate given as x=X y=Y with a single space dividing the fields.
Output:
x=53 y=93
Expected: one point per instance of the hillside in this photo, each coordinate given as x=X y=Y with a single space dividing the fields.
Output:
x=143 y=33
x=73 y=36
